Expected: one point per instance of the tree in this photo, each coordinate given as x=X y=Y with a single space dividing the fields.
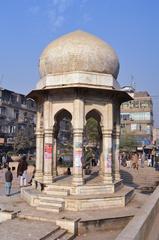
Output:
x=92 y=139
x=24 y=139
x=92 y=131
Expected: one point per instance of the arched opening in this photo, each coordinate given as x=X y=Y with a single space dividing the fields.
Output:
x=64 y=138
x=92 y=140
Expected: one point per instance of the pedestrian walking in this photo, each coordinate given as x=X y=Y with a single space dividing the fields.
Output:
x=149 y=163
x=22 y=171
x=8 y=181
x=143 y=159
x=4 y=161
x=153 y=153
x=135 y=161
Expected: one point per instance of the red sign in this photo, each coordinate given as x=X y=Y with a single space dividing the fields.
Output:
x=48 y=151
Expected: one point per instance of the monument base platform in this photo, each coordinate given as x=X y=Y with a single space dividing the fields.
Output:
x=60 y=196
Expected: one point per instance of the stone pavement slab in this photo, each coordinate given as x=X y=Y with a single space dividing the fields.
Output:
x=46 y=220
x=18 y=229
x=99 y=235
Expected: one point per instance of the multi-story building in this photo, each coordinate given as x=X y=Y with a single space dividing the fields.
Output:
x=16 y=113
x=137 y=117
x=156 y=136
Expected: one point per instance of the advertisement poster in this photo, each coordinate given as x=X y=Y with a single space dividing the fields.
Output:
x=109 y=160
x=78 y=155
x=48 y=151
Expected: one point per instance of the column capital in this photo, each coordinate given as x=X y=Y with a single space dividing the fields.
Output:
x=78 y=131
x=39 y=132
x=48 y=131
x=107 y=132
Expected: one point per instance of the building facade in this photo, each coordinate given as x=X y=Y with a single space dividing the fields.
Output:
x=156 y=136
x=16 y=113
x=137 y=117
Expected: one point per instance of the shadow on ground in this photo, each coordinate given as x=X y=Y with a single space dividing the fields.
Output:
x=128 y=179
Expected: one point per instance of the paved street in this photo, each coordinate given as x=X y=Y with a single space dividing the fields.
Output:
x=138 y=178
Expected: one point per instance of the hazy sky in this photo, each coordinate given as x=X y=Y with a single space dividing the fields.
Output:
x=130 y=26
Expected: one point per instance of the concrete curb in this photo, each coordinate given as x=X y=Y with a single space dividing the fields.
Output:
x=8 y=214
x=139 y=227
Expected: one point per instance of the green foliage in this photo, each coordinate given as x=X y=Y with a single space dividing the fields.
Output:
x=92 y=131
x=10 y=153
x=21 y=141
x=92 y=134
x=24 y=139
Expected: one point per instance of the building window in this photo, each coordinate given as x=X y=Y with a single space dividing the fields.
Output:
x=23 y=100
x=144 y=104
x=136 y=104
x=125 y=116
x=16 y=114
x=133 y=127
x=140 y=116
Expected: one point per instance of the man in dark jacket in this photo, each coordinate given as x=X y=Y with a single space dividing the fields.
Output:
x=22 y=171
x=8 y=181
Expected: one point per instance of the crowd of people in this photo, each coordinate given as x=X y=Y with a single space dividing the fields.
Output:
x=5 y=160
x=21 y=174
x=127 y=159
x=136 y=159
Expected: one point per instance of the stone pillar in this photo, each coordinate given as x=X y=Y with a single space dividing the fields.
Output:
x=107 y=142
x=107 y=156
x=78 y=122
x=48 y=140
x=39 y=155
x=101 y=164
x=116 y=142
x=116 y=155
x=48 y=156
x=55 y=157
x=39 y=144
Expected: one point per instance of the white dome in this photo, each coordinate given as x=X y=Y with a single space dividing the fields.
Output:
x=78 y=51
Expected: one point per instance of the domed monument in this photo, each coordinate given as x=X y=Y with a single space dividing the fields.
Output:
x=79 y=81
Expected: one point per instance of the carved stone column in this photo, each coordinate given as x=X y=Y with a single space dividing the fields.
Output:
x=107 y=156
x=107 y=131
x=39 y=156
x=116 y=155
x=55 y=157
x=48 y=156
x=116 y=141
x=78 y=121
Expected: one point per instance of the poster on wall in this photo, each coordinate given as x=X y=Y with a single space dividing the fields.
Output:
x=48 y=151
x=109 y=160
x=78 y=155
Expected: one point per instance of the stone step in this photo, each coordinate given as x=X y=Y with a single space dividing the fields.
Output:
x=57 y=192
x=67 y=236
x=55 y=229
x=94 y=189
x=51 y=197
x=51 y=202
x=49 y=208
x=57 y=235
